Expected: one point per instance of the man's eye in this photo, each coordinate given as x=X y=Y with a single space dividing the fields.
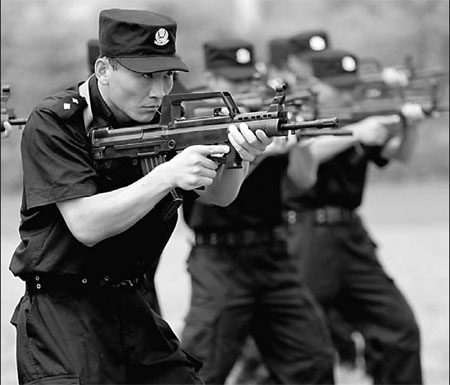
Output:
x=170 y=74
x=147 y=75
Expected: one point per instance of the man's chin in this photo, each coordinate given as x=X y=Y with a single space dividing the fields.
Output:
x=145 y=118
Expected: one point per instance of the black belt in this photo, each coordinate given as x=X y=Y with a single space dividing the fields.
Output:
x=327 y=215
x=243 y=237
x=38 y=283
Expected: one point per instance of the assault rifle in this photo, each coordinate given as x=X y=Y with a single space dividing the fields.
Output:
x=8 y=114
x=153 y=144
x=359 y=112
x=430 y=104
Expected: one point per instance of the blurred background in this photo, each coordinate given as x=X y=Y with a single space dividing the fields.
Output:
x=43 y=46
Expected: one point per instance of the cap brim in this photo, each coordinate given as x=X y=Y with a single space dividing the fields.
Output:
x=153 y=64
x=235 y=73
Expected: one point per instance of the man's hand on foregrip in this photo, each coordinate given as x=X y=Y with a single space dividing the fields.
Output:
x=248 y=144
x=413 y=113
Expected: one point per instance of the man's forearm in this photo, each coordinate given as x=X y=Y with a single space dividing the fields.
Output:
x=326 y=148
x=101 y=216
x=302 y=167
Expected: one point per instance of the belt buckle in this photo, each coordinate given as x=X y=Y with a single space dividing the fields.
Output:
x=321 y=216
x=291 y=217
x=213 y=239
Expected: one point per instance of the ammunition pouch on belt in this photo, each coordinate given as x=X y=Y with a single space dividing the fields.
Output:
x=322 y=216
x=241 y=238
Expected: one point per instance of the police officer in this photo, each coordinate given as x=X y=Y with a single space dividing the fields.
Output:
x=93 y=53
x=299 y=73
x=243 y=281
x=88 y=238
x=337 y=255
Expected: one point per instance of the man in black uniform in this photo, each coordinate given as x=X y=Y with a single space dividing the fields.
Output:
x=88 y=236
x=93 y=52
x=294 y=70
x=243 y=281
x=338 y=257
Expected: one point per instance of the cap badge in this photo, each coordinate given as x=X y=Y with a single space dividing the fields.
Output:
x=161 y=36
x=348 y=64
x=243 y=56
x=317 y=43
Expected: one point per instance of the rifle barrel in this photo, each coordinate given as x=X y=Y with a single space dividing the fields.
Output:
x=325 y=131
x=318 y=123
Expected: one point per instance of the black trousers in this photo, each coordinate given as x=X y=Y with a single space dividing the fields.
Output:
x=255 y=290
x=101 y=336
x=340 y=265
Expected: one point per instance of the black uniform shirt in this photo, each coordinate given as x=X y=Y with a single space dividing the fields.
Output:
x=258 y=204
x=340 y=181
x=57 y=166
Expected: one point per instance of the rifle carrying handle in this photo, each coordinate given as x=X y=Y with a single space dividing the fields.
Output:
x=172 y=201
x=171 y=103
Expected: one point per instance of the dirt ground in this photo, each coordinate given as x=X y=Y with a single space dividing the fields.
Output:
x=410 y=222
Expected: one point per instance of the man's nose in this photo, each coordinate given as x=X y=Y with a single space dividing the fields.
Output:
x=156 y=89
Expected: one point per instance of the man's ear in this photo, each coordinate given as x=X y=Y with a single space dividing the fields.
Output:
x=102 y=68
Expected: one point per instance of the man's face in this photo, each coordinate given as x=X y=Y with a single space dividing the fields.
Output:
x=136 y=96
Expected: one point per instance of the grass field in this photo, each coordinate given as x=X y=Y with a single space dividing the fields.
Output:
x=409 y=221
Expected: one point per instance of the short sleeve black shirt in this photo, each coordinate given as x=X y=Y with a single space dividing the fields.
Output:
x=258 y=204
x=57 y=166
x=340 y=181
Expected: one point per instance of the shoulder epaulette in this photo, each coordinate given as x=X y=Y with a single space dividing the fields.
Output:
x=66 y=106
